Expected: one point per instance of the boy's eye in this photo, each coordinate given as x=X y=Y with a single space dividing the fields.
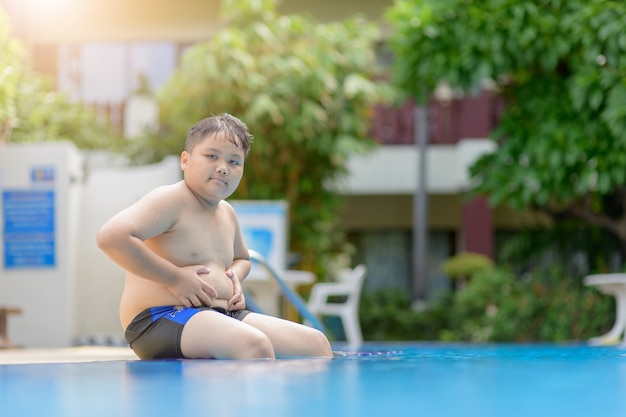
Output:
x=235 y=162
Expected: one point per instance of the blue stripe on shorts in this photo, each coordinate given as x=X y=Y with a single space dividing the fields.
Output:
x=180 y=315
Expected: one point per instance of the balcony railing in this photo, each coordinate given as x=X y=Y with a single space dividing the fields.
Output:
x=449 y=122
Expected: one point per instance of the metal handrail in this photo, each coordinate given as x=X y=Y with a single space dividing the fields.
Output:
x=291 y=295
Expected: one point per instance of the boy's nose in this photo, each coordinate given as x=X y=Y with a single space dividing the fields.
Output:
x=222 y=170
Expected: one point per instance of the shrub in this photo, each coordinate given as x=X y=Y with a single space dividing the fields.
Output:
x=466 y=264
x=495 y=306
x=387 y=315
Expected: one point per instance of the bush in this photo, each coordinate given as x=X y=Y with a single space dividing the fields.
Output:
x=466 y=264
x=495 y=306
x=387 y=315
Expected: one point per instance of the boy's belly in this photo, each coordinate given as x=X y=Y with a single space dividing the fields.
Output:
x=140 y=294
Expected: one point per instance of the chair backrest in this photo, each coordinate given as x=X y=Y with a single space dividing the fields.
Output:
x=355 y=278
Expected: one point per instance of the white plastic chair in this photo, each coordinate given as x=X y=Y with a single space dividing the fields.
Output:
x=348 y=285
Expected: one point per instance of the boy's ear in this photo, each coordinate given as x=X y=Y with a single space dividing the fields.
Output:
x=184 y=160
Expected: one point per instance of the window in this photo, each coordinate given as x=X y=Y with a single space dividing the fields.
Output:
x=108 y=72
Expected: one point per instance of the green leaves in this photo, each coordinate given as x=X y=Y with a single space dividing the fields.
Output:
x=615 y=113
x=304 y=89
x=560 y=66
x=465 y=42
x=261 y=107
x=11 y=56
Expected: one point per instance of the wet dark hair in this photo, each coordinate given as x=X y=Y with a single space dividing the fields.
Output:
x=231 y=127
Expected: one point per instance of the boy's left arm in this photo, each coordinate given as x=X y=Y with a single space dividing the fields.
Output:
x=240 y=268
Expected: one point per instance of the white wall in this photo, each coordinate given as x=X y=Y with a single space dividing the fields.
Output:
x=76 y=297
x=43 y=290
x=394 y=169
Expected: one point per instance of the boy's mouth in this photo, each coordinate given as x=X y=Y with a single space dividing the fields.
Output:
x=220 y=180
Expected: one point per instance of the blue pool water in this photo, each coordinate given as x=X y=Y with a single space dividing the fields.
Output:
x=423 y=379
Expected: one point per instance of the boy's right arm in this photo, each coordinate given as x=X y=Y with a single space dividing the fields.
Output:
x=122 y=239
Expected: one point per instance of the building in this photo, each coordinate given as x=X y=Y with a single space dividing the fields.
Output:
x=97 y=49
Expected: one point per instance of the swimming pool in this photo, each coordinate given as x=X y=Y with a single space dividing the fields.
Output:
x=416 y=379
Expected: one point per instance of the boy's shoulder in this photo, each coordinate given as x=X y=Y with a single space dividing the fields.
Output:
x=165 y=193
x=175 y=188
x=225 y=207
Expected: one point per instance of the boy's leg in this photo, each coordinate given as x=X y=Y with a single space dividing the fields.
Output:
x=289 y=338
x=210 y=334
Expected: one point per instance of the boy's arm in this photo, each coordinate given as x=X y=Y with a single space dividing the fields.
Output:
x=240 y=268
x=238 y=301
x=122 y=239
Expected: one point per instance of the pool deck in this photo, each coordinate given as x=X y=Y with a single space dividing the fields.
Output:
x=65 y=355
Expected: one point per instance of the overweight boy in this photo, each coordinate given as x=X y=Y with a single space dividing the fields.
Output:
x=185 y=259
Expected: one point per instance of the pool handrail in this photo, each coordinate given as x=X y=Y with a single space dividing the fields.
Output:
x=290 y=294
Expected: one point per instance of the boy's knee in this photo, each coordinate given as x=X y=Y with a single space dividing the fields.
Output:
x=256 y=346
x=320 y=344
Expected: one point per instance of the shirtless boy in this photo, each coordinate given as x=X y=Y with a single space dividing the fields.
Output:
x=184 y=256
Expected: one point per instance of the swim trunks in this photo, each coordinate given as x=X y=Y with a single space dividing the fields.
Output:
x=156 y=332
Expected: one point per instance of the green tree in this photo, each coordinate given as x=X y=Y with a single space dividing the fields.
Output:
x=560 y=66
x=31 y=110
x=306 y=91
x=10 y=58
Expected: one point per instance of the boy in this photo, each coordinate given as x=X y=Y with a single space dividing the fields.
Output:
x=184 y=257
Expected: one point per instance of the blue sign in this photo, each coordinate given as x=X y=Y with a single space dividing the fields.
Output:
x=28 y=228
x=259 y=239
x=42 y=174
x=264 y=229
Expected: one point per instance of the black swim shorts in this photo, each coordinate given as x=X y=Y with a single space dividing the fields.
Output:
x=156 y=332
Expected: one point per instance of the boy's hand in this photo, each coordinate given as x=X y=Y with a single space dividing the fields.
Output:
x=191 y=290
x=238 y=300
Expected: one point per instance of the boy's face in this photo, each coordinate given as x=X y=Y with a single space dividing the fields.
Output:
x=214 y=168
